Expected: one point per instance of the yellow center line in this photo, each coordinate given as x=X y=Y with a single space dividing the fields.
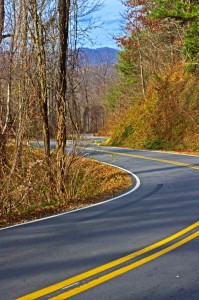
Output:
x=72 y=280
x=123 y=270
x=148 y=158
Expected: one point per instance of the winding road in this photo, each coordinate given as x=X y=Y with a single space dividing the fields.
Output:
x=143 y=245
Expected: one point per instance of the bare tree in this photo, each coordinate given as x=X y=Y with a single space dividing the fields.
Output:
x=39 y=37
x=64 y=10
x=41 y=83
x=2 y=14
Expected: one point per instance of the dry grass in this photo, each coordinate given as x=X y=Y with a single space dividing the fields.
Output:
x=167 y=119
x=25 y=195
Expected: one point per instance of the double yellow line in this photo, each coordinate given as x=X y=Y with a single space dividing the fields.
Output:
x=87 y=280
x=167 y=161
x=96 y=276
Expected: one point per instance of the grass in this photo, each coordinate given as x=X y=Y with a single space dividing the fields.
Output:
x=26 y=195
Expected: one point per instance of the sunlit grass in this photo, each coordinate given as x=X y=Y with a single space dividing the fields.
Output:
x=26 y=194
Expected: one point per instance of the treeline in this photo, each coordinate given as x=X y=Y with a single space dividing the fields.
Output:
x=45 y=92
x=157 y=96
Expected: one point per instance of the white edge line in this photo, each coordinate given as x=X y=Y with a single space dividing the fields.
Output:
x=86 y=207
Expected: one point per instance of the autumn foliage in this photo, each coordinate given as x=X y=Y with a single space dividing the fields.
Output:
x=159 y=67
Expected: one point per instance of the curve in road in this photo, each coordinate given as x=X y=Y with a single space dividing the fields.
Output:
x=114 y=239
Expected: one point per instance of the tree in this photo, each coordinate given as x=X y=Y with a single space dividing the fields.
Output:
x=149 y=43
x=2 y=139
x=40 y=78
x=2 y=13
x=186 y=13
x=39 y=38
x=137 y=23
x=64 y=10
x=2 y=18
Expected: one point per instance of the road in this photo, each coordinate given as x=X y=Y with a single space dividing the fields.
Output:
x=144 y=245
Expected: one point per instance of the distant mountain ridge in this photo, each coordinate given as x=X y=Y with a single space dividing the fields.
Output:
x=98 y=56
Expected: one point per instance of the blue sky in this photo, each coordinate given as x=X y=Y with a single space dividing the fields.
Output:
x=110 y=16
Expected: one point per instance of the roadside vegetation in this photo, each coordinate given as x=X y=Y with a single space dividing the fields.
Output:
x=167 y=119
x=155 y=103
x=27 y=195
x=46 y=91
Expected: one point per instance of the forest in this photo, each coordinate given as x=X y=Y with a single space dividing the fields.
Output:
x=49 y=91
x=149 y=100
x=155 y=102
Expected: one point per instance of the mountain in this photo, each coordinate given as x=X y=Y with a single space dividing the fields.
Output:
x=99 y=56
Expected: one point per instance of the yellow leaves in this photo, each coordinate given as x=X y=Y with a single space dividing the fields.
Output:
x=87 y=182
x=167 y=118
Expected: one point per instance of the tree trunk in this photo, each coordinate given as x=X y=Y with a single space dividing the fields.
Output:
x=2 y=141
x=40 y=45
x=63 y=9
x=142 y=78
x=2 y=14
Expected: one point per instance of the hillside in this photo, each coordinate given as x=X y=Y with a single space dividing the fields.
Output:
x=98 y=56
x=166 y=119
x=154 y=104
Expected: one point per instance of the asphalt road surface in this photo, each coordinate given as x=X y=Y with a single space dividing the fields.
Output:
x=144 y=245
